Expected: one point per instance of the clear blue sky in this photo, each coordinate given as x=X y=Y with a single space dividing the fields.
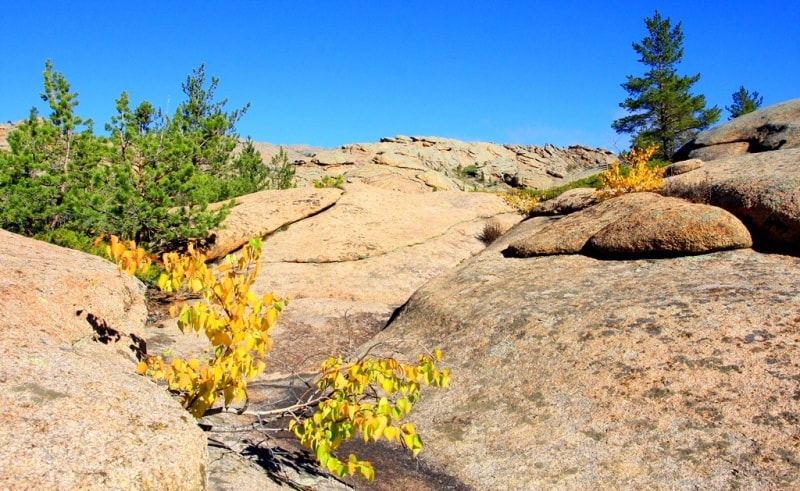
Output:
x=330 y=73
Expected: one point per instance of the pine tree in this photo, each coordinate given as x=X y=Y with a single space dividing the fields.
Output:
x=744 y=102
x=48 y=180
x=151 y=180
x=663 y=111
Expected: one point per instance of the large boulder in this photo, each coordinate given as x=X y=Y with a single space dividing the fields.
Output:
x=76 y=415
x=568 y=202
x=575 y=373
x=772 y=128
x=634 y=226
x=762 y=190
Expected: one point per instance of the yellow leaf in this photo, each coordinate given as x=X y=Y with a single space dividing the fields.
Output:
x=141 y=368
x=378 y=426
x=388 y=385
x=391 y=433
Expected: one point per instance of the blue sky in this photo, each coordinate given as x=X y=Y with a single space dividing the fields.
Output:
x=331 y=73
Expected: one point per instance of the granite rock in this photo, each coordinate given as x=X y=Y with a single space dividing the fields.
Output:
x=76 y=414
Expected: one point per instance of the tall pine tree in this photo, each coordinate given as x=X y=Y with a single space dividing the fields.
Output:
x=663 y=110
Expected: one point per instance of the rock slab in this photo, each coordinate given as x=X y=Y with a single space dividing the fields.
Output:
x=259 y=214
x=575 y=373
x=76 y=415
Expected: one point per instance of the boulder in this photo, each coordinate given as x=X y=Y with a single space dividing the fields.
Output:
x=683 y=167
x=568 y=202
x=762 y=190
x=259 y=214
x=574 y=373
x=633 y=226
x=76 y=415
x=772 y=128
x=669 y=228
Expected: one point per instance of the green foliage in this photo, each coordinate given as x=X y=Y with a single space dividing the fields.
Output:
x=663 y=111
x=68 y=238
x=152 y=178
x=280 y=174
x=252 y=175
x=329 y=181
x=468 y=171
x=47 y=179
x=744 y=102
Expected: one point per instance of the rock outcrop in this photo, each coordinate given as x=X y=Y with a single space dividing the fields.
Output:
x=576 y=373
x=345 y=269
x=762 y=189
x=634 y=226
x=262 y=213
x=76 y=415
x=419 y=164
x=773 y=128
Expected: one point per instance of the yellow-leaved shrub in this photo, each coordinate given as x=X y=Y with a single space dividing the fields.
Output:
x=639 y=177
x=235 y=320
x=367 y=397
x=347 y=408
x=520 y=201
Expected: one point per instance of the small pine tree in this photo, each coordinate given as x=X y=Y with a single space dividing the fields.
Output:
x=150 y=181
x=663 y=111
x=744 y=102
x=47 y=179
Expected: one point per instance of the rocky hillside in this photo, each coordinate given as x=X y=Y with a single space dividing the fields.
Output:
x=418 y=164
x=649 y=341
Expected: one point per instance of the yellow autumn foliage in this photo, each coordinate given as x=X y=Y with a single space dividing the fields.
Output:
x=369 y=397
x=639 y=177
x=520 y=201
x=345 y=411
